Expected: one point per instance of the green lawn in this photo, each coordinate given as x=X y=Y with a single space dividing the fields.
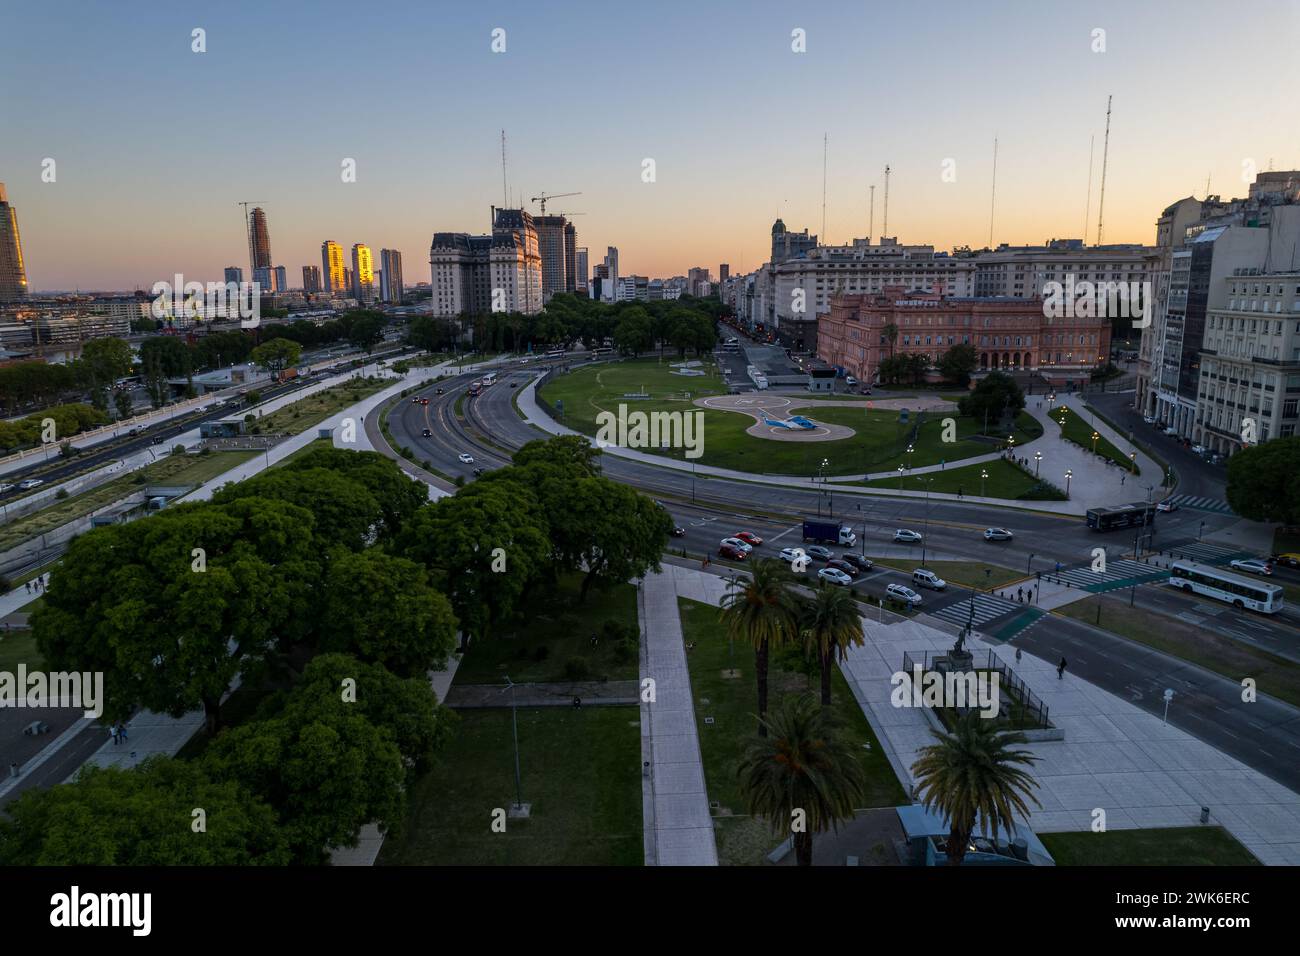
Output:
x=880 y=443
x=1077 y=430
x=302 y=414
x=556 y=629
x=1275 y=676
x=19 y=647
x=733 y=702
x=1175 y=846
x=1004 y=480
x=172 y=470
x=580 y=770
x=969 y=573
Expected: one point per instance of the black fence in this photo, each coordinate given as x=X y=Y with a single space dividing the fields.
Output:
x=1025 y=709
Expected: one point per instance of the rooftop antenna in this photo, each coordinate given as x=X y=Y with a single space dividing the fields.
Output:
x=1207 y=184
x=825 y=149
x=1105 y=155
x=505 y=190
x=1087 y=205
x=994 y=192
x=885 y=231
x=871 y=227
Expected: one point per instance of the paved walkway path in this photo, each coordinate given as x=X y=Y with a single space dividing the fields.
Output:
x=1116 y=757
x=675 y=805
x=558 y=694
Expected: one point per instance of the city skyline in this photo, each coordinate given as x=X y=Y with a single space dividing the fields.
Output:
x=720 y=181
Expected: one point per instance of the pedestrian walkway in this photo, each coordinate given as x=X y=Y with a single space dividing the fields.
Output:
x=675 y=803
x=1121 y=573
x=1215 y=505
x=1115 y=757
x=988 y=607
x=1205 y=553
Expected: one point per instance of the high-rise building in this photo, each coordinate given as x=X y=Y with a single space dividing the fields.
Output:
x=554 y=235
x=697 y=281
x=363 y=273
x=502 y=272
x=259 y=240
x=264 y=277
x=311 y=279
x=611 y=262
x=347 y=281
x=280 y=277
x=234 y=274
x=724 y=273
x=570 y=257
x=390 y=285
x=13 y=276
x=580 y=271
x=332 y=266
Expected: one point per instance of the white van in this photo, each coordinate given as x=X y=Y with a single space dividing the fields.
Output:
x=928 y=579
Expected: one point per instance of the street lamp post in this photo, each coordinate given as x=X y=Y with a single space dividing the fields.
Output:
x=925 y=534
x=900 y=477
x=1200 y=531
x=1030 y=563
x=1133 y=457
x=1095 y=436
x=1068 y=475
x=1038 y=461
x=514 y=720
x=984 y=473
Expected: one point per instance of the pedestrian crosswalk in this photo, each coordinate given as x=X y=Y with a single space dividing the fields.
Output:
x=1217 y=505
x=1118 y=574
x=987 y=607
x=1205 y=553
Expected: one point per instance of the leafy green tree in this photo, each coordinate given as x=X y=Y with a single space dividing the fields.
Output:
x=345 y=512
x=1262 y=481
x=405 y=706
x=141 y=817
x=830 y=623
x=325 y=768
x=760 y=609
x=383 y=609
x=366 y=332
x=996 y=396
x=957 y=363
x=801 y=764
x=486 y=544
x=107 y=359
x=398 y=496
x=168 y=354
x=633 y=336
x=170 y=626
x=122 y=400
x=277 y=354
x=973 y=772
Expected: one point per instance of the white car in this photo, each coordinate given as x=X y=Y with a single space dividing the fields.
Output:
x=1198 y=449
x=6 y=487
x=30 y=483
x=850 y=381
x=1252 y=566
x=835 y=576
x=997 y=534
x=1166 y=506
x=466 y=458
x=791 y=554
x=928 y=579
x=907 y=537
x=905 y=594
x=737 y=543
x=1171 y=431
x=1149 y=419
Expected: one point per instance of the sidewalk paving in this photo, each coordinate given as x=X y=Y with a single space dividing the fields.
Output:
x=675 y=804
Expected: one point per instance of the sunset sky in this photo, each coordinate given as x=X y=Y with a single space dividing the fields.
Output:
x=155 y=144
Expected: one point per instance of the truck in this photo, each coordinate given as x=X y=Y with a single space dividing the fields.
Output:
x=829 y=532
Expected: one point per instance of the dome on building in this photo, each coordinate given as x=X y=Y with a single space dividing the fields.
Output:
x=778 y=227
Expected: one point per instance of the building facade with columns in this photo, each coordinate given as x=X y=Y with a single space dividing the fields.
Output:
x=1007 y=334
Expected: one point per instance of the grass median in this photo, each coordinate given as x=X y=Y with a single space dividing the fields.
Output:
x=1076 y=430
x=1005 y=480
x=313 y=409
x=1167 y=846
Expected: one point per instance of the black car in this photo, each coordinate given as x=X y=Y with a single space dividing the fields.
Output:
x=427 y=433
x=439 y=391
x=859 y=562
x=679 y=532
x=841 y=565
x=479 y=471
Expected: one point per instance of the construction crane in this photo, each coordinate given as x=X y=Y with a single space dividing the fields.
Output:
x=544 y=198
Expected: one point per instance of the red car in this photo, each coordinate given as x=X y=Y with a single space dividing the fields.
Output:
x=748 y=537
x=732 y=552
x=424 y=401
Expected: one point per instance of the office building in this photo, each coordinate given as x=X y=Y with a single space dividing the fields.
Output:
x=234 y=274
x=581 y=272
x=363 y=274
x=554 y=243
x=1021 y=272
x=13 y=274
x=259 y=240
x=280 y=278
x=332 y=267
x=390 y=284
x=311 y=279
x=501 y=272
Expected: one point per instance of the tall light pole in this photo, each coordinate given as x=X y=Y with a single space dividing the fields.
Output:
x=1038 y=461
x=901 y=469
x=925 y=535
x=984 y=474
x=1068 y=475
x=1133 y=457
x=514 y=720
x=1095 y=436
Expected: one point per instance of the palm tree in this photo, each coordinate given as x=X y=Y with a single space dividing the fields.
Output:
x=971 y=772
x=890 y=332
x=831 y=624
x=801 y=778
x=760 y=610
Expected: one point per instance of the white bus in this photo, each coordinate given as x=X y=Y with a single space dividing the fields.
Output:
x=489 y=379
x=1222 y=586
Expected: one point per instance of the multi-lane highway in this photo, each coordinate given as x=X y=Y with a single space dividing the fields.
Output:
x=489 y=428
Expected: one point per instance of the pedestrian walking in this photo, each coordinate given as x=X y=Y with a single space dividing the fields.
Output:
x=112 y=732
x=29 y=587
x=959 y=493
x=1020 y=595
x=121 y=730
x=1122 y=479
x=1017 y=655
x=705 y=562
x=1060 y=670
x=1058 y=567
